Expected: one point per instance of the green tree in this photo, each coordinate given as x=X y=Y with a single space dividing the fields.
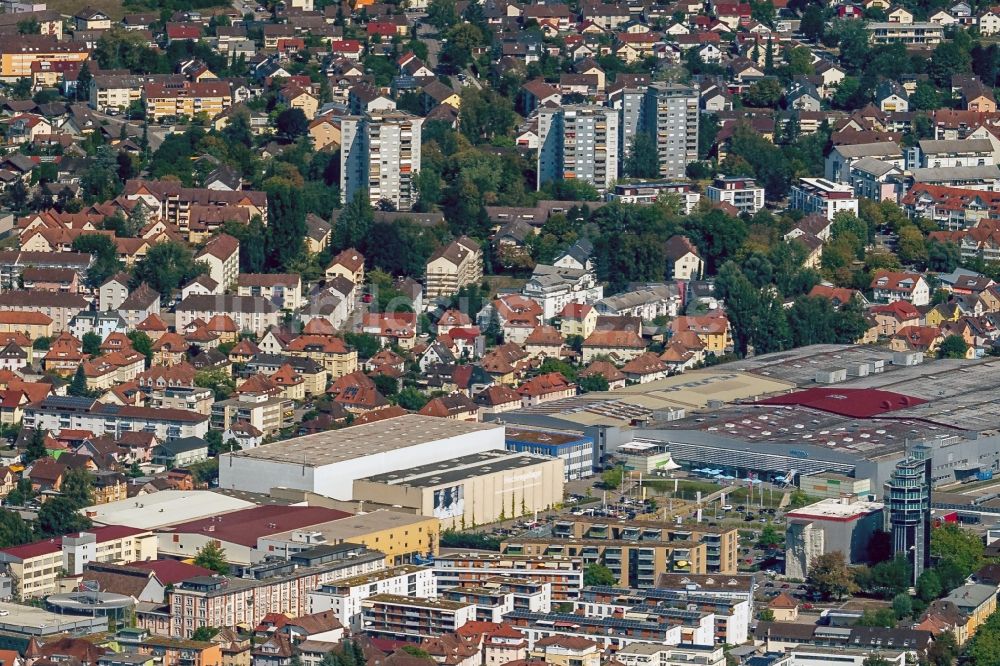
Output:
x=292 y=123
x=386 y=385
x=354 y=222
x=142 y=343
x=943 y=257
x=889 y=578
x=598 y=574
x=766 y=92
x=911 y=248
x=22 y=493
x=411 y=398
x=59 y=516
x=485 y=115
x=612 y=478
x=928 y=586
x=77 y=487
x=813 y=23
x=830 y=576
x=166 y=267
x=204 y=634
x=220 y=381
x=83 y=79
x=105 y=254
x=902 y=605
x=881 y=617
x=925 y=97
x=949 y=58
x=593 y=383
x=951 y=543
x=769 y=538
x=954 y=346
x=643 y=160
x=366 y=344
x=875 y=659
x=442 y=14
x=418 y=652
x=286 y=226
x=14 y=530
x=35 y=448
x=91 y=343
x=78 y=386
x=212 y=556
x=944 y=650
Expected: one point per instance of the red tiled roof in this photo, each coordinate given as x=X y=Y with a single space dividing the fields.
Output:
x=103 y=535
x=170 y=572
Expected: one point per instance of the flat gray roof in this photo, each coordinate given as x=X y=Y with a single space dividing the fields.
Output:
x=335 y=446
x=459 y=469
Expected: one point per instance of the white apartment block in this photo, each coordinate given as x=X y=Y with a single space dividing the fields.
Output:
x=344 y=597
x=649 y=654
x=945 y=153
x=819 y=195
x=452 y=267
x=114 y=91
x=578 y=142
x=911 y=34
x=741 y=193
x=380 y=153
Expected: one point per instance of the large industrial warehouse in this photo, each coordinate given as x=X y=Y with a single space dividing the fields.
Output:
x=856 y=413
x=471 y=490
x=329 y=462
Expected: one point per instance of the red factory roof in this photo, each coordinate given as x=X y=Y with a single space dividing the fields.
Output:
x=855 y=403
x=171 y=572
x=245 y=527
x=48 y=546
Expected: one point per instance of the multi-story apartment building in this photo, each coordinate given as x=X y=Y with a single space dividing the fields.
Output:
x=267 y=413
x=578 y=142
x=458 y=264
x=647 y=192
x=670 y=116
x=646 y=654
x=36 y=567
x=209 y=97
x=171 y=202
x=732 y=616
x=738 y=191
x=630 y=104
x=282 y=289
x=945 y=153
x=491 y=603
x=163 y=651
x=564 y=574
x=61 y=413
x=345 y=596
x=910 y=34
x=19 y=52
x=60 y=308
x=269 y=587
x=14 y=262
x=251 y=313
x=115 y=91
x=661 y=626
x=824 y=197
x=635 y=551
x=408 y=618
x=380 y=154
x=527 y=594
